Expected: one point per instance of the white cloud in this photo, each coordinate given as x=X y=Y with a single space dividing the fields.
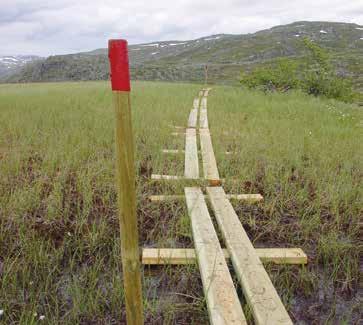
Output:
x=63 y=26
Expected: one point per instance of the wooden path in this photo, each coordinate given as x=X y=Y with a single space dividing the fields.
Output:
x=222 y=299
x=191 y=169
x=221 y=296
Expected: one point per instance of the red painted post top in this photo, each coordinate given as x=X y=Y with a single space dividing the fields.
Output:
x=119 y=64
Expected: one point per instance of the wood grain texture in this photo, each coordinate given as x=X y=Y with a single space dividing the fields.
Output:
x=191 y=161
x=196 y=103
x=192 y=120
x=203 y=103
x=222 y=301
x=175 y=256
x=250 y=198
x=125 y=173
x=203 y=119
x=172 y=151
x=167 y=177
x=258 y=289
x=208 y=159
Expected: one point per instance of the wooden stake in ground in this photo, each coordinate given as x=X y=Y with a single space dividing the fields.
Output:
x=206 y=74
x=120 y=81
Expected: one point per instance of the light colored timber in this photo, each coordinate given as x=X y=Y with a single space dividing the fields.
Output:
x=175 y=256
x=203 y=119
x=203 y=103
x=209 y=161
x=177 y=151
x=177 y=178
x=192 y=121
x=191 y=161
x=222 y=300
x=166 y=177
x=196 y=103
x=251 y=198
x=174 y=151
x=182 y=133
x=125 y=173
x=258 y=289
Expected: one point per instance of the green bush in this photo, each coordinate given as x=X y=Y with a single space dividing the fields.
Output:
x=313 y=74
x=279 y=76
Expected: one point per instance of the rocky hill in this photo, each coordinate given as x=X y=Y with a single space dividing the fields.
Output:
x=10 y=64
x=225 y=55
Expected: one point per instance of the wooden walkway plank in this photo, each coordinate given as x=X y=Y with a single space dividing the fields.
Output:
x=250 y=198
x=258 y=289
x=192 y=121
x=203 y=103
x=209 y=161
x=175 y=256
x=196 y=103
x=203 y=119
x=222 y=300
x=191 y=165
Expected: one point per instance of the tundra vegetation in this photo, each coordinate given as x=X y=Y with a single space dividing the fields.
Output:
x=59 y=235
x=314 y=74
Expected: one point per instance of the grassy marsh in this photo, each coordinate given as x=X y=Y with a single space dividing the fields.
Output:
x=59 y=238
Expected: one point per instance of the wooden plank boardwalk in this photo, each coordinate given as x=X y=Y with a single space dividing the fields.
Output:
x=193 y=116
x=191 y=166
x=196 y=103
x=203 y=119
x=259 y=291
x=208 y=159
x=221 y=296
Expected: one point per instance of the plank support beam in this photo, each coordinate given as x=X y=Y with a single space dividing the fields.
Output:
x=180 y=256
x=250 y=198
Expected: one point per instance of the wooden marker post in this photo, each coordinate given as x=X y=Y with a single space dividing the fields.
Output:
x=206 y=74
x=120 y=81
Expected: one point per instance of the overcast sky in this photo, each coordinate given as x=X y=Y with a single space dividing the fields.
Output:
x=46 y=27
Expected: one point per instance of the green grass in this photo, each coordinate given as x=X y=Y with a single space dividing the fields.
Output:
x=59 y=239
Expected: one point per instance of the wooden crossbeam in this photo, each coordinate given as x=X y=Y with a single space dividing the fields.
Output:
x=258 y=289
x=222 y=300
x=209 y=161
x=175 y=256
x=191 y=165
x=177 y=151
x=193 y=116
x=167 y=177
x=251 y=198
x=173 y=151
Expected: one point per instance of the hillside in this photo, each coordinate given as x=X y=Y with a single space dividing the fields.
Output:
x=10 y=64
x=226 y=55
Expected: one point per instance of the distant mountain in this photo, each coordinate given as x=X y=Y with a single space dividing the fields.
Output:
x=226 y=55
x=9 y=64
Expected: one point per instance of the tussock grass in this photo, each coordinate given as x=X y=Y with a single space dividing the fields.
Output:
x=59 y=238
